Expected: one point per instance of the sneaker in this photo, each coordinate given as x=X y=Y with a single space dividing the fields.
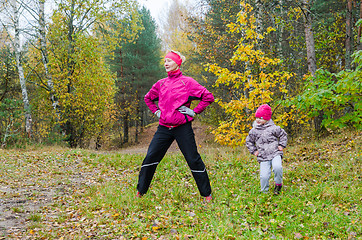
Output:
x=138 y=195
x=208 y=199
x=277 y=189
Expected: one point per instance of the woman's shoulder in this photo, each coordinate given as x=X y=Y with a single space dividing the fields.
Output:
x=189 y=81
x=160 y=81
x=187 y=78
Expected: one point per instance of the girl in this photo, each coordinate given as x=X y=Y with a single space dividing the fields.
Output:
x=267 y=141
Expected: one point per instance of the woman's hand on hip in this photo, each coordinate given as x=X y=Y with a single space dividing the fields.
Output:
x=186 y=110
x=158 y=113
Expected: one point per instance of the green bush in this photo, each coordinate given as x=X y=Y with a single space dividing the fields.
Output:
x=337 y=95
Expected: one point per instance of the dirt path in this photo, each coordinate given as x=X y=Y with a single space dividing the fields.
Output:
x=31 y=181
x=20 y=207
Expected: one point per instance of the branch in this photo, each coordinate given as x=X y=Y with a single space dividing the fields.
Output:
x=86 y=27
x=42 y=85
x=31 y=11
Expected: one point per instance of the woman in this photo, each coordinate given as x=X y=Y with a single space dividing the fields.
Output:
x=174 y=95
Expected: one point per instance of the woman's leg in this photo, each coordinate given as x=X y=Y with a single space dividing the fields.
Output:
x=157 y=149
x=185 y=138
x=265 y=172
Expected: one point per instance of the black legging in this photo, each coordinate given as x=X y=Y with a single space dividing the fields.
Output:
x=157 y=149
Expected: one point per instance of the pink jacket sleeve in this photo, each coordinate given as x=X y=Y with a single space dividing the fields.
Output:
x=151 y=97
x=199 y=92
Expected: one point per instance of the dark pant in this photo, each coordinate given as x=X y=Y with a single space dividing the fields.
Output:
x=159 y=145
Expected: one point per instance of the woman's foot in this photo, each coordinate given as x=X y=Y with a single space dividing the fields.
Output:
x=208 y=199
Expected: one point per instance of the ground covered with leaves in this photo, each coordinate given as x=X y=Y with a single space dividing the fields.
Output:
x=56 y=193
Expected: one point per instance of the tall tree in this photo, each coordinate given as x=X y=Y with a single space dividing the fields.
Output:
x=311 y=57
x=138 y=66
x=213 y=44
x=359 y=44
x=44 y=53
x=309 y=37
x=85 y=96
x=349 y=34
x=261 y=79
x=17 y=47
x=77 y=51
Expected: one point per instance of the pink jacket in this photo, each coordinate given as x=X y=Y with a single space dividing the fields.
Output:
x=173 y=92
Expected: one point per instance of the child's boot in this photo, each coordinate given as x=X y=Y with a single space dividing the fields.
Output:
x=277 y=189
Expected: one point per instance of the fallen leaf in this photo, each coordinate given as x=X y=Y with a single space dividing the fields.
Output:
x=352 y=235
x=298 y=235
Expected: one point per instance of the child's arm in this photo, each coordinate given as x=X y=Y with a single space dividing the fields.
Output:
x=283 y=138
x=250 y=144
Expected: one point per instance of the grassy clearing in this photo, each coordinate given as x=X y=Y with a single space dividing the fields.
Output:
x=95 y=194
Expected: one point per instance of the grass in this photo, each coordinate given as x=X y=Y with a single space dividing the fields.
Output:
x=96 y=194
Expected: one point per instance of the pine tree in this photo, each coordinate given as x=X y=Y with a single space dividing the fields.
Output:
x=141 y=59
x=138 y=67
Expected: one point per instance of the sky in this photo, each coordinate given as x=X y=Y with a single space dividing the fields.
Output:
x=156 y=7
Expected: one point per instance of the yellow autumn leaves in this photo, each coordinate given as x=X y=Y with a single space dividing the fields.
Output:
x=252 y=81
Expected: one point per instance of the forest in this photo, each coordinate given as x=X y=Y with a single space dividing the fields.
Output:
x=76 y=75
x=74 y=124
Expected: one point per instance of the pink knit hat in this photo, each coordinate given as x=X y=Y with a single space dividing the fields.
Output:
x=264 y=112
x=174 y=57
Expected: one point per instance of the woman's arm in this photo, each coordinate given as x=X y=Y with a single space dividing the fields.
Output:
x=199 y=92
x=151 y=97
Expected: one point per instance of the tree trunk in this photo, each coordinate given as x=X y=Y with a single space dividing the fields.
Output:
x=136 y=131
x=44 y=53
x=311 y=58
x=69 y=128
x=24 y=92
x=349 y=34
x=281 y=40
x=125 y=128
x=309 y=38
x=359 y=44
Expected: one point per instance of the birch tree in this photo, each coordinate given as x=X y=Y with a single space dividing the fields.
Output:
x=44 y=53
x=15 y=19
